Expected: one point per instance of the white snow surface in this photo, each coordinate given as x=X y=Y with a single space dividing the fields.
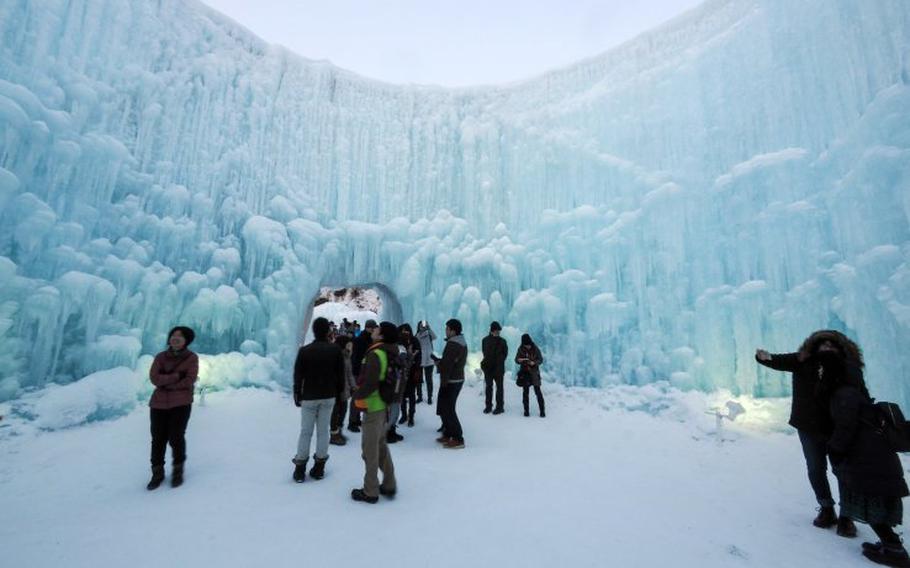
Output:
x=620 y=476
x=737 y=178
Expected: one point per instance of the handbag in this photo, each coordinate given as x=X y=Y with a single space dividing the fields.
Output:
x=524 y=378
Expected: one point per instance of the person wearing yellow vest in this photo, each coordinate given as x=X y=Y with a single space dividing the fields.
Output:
x=375 y=451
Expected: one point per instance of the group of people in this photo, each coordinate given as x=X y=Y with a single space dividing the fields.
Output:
x=831 y=410
x=835 y=419
x=337 y=375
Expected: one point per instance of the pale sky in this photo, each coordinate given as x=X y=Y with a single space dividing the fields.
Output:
x=450 y=42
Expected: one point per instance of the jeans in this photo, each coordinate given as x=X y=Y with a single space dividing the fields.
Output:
x=169 y=427
x=338 y=412
x=428 y=377
x=314 y=414
x=815 y=450
x=490 y=380
x=448 y=399
x=375 y=453
x=525 y=397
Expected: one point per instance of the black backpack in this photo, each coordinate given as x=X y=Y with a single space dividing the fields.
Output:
x=392 y=385
x=890 y=423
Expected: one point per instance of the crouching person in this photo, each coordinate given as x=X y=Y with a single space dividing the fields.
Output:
x=373 y=444
x=318 y=384
x=174 y=372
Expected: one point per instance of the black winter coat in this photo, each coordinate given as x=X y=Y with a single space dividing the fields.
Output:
x=808 y=411
x=863 y=460
x=495 y=352
x=319 y=371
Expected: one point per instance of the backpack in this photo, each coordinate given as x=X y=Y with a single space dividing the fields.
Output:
x=392 y=384
x=890 y=423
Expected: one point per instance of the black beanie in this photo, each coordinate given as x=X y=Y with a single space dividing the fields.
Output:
x=389 y=332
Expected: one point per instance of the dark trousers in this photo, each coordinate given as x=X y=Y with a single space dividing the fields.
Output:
x=448 y=399
x=815 y=450
x=354 y=418
x=525 y=397
x=489 y=380
x=409 y=400
x=338 y=413
x=428 y=378
x=169 y=427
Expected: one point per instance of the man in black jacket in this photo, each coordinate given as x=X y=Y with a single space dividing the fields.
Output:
x=451 y=379
x=495 y=351
x=361 y=345
x=809 y=412
x=318 y=383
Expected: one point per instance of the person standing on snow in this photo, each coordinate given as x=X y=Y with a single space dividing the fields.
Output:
x=412 y=375
x=173 y=372
x=529 y=358
x=374 y=449
x=451 y=379
x=810 y=416
x=361 y=344
x=318 y=384
x=426 y=337
x=495 y=352
x=869 y=471
x=337 y=438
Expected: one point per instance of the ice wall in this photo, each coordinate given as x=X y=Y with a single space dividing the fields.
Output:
x=736 y=178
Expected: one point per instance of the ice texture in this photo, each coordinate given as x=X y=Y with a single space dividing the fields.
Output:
x=738 y=177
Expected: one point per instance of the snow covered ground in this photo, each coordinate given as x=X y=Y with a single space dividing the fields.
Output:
x=617 y=477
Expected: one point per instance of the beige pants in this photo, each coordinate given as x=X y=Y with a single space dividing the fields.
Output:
x=376 y=454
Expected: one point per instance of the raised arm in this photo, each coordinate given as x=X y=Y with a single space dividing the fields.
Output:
x=779 y=362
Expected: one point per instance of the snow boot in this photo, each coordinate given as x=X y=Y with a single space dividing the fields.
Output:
x=299 y=470
x=454 y=444
x=411 y=422
x=846 y=528
x=359 y=495
x=527 y=413
x=387 y=493
x=487 y=410
x=826 y=518
x=498 y=411
x=318 y=471
x=177 y=475
x=354 y=427
x=403 y=419
x=337 y=438
x=157 y=477
x=390 y=437
x=888 y=555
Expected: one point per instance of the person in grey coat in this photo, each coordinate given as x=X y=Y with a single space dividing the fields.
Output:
x=426 y=337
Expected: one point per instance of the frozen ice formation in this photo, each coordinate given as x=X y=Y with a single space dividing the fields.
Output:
x=736 y=178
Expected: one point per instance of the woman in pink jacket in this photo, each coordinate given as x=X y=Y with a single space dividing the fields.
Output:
x=174 y=374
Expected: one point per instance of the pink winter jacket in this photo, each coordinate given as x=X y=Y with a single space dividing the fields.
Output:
x=171 y=390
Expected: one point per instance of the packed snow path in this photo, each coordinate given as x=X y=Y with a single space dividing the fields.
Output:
x=586 y=486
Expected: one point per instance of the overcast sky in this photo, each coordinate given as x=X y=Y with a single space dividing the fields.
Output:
x=450 y=42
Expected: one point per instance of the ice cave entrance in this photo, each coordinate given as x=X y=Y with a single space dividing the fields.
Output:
x=356 y=303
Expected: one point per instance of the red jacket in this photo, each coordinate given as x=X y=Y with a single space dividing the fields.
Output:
x=174 y=376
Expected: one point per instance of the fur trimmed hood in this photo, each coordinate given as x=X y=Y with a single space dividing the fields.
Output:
x=851 y=351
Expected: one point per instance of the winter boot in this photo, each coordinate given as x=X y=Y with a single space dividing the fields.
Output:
x=411 y=421
x=157 y=477
x=177 y=475
x=359 y=495
x=846 y=528
x=403 y=418
x=354 y=427
x=387 y=493
x=487 y=410
x=337 y=438
x=299 y=470
x=888 y=555
x=498 y=410
x=390 y=437
x=398 y=437
x=826 y=518
x=527 y=413
x=318 y=471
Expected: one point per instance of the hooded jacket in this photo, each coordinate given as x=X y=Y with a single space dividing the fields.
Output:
x=809 y=408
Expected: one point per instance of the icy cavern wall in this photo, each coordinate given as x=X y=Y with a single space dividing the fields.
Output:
x=737 y=178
